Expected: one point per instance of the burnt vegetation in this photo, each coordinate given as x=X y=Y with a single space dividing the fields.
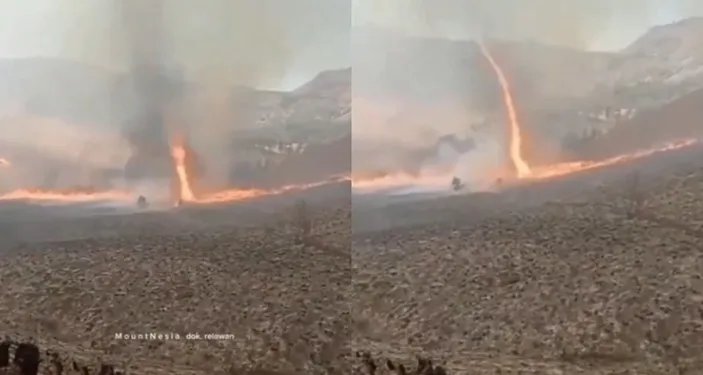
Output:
x=24 y=358
x=369 y=365
x=291 y=260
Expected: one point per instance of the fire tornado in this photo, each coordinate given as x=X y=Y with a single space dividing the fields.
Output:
x=523 y=169
x=154 y=130
x=521 y=166
x=184 y=189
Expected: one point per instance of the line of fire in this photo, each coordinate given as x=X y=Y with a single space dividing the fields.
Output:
x=161 y=147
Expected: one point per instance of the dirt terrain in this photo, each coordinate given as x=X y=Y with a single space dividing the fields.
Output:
x=591 y=274
x=578 y=281
x=281 y=292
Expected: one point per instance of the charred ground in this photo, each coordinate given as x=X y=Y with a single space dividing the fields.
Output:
x=274 y=273
x=592 y=273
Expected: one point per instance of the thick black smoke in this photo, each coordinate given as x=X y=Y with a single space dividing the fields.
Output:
x=145 y=93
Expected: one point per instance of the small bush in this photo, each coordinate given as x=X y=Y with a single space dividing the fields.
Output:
x=302 y=221
x=424 y=366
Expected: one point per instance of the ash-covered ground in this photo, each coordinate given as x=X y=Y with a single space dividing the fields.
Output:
x=596 y=272
x=73 y=276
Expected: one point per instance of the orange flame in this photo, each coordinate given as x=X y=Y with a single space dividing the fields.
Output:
x=62 y=195
x=77 y=195
x=538 y=172
x=522 y=167
x=180 y=155
x=242 y=194
x=524 y=171
x=186 y=193
x=561 y=169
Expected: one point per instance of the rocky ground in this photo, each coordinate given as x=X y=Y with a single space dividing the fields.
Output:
x=606 y=280
x=539 y=279
x=283 y=297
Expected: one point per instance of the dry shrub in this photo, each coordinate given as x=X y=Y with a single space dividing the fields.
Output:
x=635 y=196
x=424 y=366
x=302 y=221
x=27 y=358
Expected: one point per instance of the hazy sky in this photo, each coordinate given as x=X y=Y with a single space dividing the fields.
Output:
x=591 y=24
x=292 y=40
x=426 y=97
x=296 y=38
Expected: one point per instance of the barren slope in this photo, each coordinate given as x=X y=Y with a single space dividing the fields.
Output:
x=284 y=301
x=574 y=286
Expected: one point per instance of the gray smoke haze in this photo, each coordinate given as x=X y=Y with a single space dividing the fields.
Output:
x=574 y=23
x=417 y=77
x=230 y=35
x=219 y=44
x=215 y=44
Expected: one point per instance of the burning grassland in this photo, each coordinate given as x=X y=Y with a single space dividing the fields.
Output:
x=67 y=195
x=588 y=267
x=187 y=189
x=188 y=185
x=518 y=167
x=169 y=133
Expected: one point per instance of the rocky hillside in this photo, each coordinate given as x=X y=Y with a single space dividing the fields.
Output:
x=301 y=136
x=677 y=120
x=670 y=54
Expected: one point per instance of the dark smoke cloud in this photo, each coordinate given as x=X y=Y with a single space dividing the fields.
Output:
x=142 y=23
x=218 y=45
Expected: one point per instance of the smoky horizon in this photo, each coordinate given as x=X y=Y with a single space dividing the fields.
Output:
x=175 y=79
x=357 y=187
x=420 y=98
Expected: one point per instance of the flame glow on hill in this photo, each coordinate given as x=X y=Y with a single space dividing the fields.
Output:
x=522 y=170
x=67 y=195
x=184 y=181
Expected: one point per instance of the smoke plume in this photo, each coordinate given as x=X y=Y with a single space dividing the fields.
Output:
x=572 y=23
x=179 y=59
x=218 y=45
x=417 y=77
